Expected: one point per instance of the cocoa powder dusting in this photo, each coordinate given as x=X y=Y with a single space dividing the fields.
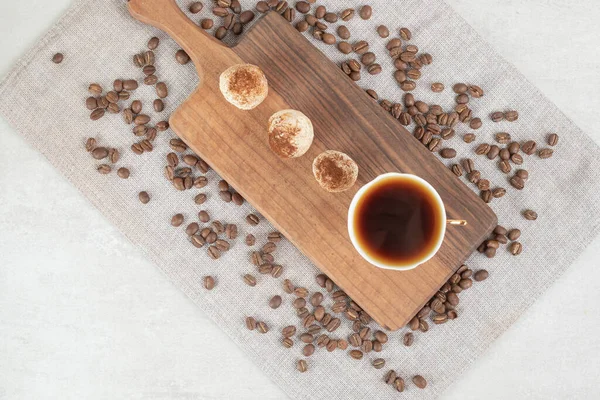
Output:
x=283 y=141
x=335 y=171
x=245 y=83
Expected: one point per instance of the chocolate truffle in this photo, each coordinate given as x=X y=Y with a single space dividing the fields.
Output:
x=335 y=171
x=244 y=85
x=290 y=133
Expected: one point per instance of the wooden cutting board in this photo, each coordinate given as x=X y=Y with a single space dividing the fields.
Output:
x=345 y=118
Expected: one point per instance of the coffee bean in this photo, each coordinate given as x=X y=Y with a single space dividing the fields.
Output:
x=419 y=381
x=523 y=174
x=511 y=116
x=368 y=58
x=483 y=184
x=355 y=340
x=462 y=98
x=365 y=12
x=209 y=282
x=275 y=302
x=303 y=6
x=330 y=17
x=500 y=230
x=345 y=47
x=360 y=47
x=503 y=137
x=400 y=76
x=497 y=116
x=99 y=153
x=460 y=88
x=141 y=119
x=374 y=69
x=475 y=123
x=474 y=176
x=287 y=342
x=182 y=57
x=138 y=60
x=192 y=229
x=378 y=363
x=405 y=34
x=250 y=323
x=504 y=154
x=498 y=192
x=406 y=56
x=457 y=170
x=476 y=92
x=356 y=354
x=198 y=241
x=343 y=33
x=504 y=166
x=91 y=103
x=123 y=173
x=545 y=153
x=514 y=234
x=302 y=366
x=469 y=138
x=194 y=8
x=517 y=159
x=408 y=339
x=333 y=325
x=262 y=327
x=514 y=148
x=493 y=152
x=213 y=251
x=104 y=169
x=246 y=17
x=130 y=84
x=437 y=87
x=97 y=114
x=57 y=58
x=383 y=31
x=515 y=248
x=161 y=90
x=95 y=89
x=482 y=149
x=177 y=220
x=448 y=153
x=390 y=377
x=328 y=38
x=262 y=6
x=530 y=215
x=469 y=166
x=517 y=182
x=144 y=197
x=206 y=23
x=332 y=345
x=529 y=147
x=408 y=86
x=302 y=26
x=552 y=139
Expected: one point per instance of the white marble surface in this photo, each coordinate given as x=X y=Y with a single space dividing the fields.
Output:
x=84 y=315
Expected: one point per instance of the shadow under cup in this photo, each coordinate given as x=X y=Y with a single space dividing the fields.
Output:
x=397 y=221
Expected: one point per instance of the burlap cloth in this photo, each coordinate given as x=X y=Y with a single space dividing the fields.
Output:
x=44 y=102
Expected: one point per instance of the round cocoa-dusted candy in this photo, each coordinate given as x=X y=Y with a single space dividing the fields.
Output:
x=244 y=85
x=335 y=171
x=290 y=133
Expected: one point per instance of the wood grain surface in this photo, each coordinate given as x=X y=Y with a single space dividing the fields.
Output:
x=345 y=118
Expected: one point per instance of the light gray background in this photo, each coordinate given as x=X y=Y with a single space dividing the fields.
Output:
x=84 y=315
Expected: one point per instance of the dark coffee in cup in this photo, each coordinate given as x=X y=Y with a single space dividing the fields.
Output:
x=398 y=221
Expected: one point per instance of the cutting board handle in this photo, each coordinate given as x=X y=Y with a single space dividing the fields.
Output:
x=168 y=17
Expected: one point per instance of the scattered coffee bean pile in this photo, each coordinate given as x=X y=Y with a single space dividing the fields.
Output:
x=433 y=126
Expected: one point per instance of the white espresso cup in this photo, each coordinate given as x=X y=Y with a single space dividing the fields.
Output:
x=434 y=242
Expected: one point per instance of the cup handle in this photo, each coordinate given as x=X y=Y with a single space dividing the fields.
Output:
x=458 y=222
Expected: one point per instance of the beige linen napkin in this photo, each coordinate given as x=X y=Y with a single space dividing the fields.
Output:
x=44 y=102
